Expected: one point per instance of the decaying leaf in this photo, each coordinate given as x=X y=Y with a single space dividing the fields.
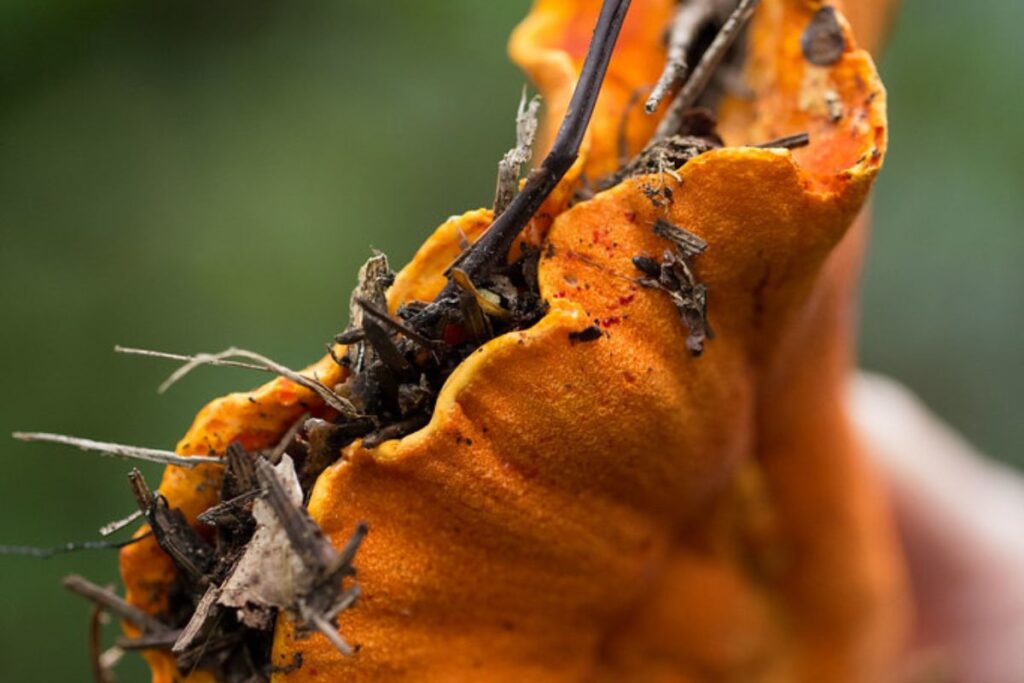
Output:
x=270 y=575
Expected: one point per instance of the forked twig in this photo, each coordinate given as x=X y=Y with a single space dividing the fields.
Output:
x=263 y=363
x=690 y=17
x=705 y=69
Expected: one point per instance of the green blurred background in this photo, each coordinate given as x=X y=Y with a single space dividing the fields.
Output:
x=192 y=174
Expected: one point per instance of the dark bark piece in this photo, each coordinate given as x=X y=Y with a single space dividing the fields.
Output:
x=688 y=244
x=823 y=42
x=190 y=553
x=201 y=623
x=587 y=334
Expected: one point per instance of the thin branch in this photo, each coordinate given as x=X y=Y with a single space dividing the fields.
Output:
x=705 y=69
x=330 y=632
x=150 y=641
x=120 y=450
x=274 y=456
x=118 y=524
x=494 y=244
x=343 y=562
x=787 y=142
x=113 y=603
x=43 y=553
x=130 y=351
x=511 y=164
x=100 y=673
x=686 y=26
x=398 y=326
x=340 y=404
x=348 y=598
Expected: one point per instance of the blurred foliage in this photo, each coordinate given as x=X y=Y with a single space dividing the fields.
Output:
x=188 y=175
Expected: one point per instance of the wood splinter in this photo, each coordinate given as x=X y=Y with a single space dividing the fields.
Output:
x=690 y=18
x=705 y=69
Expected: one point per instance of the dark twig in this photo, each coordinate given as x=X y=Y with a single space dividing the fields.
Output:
x=192 y=555
x=372 y=311
x=343 y=562
x=99 y=672
x=274 y=456
x=43 y=553
x=120 y=450
x=787 y=142
x=113 y=604
x=495 y=243
x=705 y=69
x=150 y=641
x=690 y=18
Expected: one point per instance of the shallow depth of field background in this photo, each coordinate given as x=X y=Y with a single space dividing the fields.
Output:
x=189 y=175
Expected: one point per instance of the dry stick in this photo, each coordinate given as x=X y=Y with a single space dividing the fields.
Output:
x=327 y=628
x=348 y=599
x=44 y=553
x=512 y=163
x=787 y=142
x=396 y=325
x=99 y=672
x=274 y=456
x=494 y=244
x=130 y=351
x=348 y=551
x=267 y=365
x=150 y=641
x=686 y=25
x=113 y=604
x=120 y=450
x=118 y=524
x=705 y=69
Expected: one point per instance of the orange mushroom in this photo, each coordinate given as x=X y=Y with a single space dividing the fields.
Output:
x=590 y=501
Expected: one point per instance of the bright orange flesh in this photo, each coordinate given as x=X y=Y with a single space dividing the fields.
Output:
x=617 y=509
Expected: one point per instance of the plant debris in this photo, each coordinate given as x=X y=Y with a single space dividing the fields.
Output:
x=674 y=275
x=265 y=556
